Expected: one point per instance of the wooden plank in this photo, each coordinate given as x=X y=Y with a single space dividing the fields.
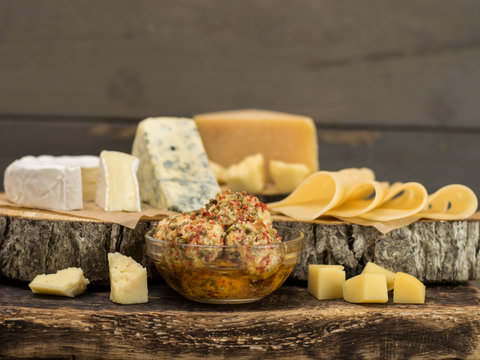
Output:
x=378 y=62
x=433 y=158
x=287 y=323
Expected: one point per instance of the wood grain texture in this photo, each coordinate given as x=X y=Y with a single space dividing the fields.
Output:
x=378 y=62
x=287 y=323
x=31 y=244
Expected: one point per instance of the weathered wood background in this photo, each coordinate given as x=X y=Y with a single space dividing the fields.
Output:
x=391 y=85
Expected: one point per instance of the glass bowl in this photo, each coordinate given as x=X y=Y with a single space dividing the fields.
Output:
x=226 y=274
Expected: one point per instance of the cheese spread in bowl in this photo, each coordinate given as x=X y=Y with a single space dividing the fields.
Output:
x=227 y=252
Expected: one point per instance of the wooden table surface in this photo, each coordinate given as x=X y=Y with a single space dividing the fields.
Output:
x=289 y=322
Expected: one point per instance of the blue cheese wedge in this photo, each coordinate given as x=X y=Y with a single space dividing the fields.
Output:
x=174 y=172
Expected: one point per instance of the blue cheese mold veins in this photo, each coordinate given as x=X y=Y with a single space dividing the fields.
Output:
x=173 y=170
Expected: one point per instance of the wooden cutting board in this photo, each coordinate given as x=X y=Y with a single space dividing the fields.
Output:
x=35 y=241
x=287 y=323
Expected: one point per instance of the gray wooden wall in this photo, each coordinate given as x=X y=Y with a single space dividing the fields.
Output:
x=393 y=85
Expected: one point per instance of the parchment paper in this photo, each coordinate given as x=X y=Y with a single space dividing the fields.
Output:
x=92 y=211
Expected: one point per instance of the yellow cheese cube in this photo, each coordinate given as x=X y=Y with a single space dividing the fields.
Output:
x=366 y=288
x=67 y=282
x=287 y=176
x=248 y=175
x=372 y=268
x=326 y=281
x=407 y=289
x=230 y=136
x=128 y=280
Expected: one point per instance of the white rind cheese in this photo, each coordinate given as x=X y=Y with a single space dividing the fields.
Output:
x=174 y=172
x=67 y=282
x=117 y=184
x=48 y=182
x=128 y=280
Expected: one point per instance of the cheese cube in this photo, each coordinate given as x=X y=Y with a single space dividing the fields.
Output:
x=67 y=282
x=287 y=176
x=117 y=184
x=230 y=136
x=248 y=175
x=372 y=268
x=128 y=280
x=407 y=289
x=174 y=172
x=326 y=281
x=366 y=288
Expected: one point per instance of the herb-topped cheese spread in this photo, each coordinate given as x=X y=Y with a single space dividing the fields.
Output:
x=229 y=248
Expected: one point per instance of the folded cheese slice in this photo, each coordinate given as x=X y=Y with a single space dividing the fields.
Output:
x=360 y=199
x=451 y=202
x=324 y=191
x=400 y=201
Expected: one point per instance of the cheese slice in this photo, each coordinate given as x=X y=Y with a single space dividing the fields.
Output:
x=401 y=200
x=230 y=136
x=451 y=202
x=322 y=192
x=50 y=182
x=248 y=175
x=128 y=280
x=287 y=176
x=117 y=184
x=67 y=282
x=174 y=172
x=353 y=195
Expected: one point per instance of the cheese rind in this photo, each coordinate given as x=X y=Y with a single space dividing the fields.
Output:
x=287 y=176
x=174 y=172
x=407 y=289
x=372 y=268
x=230 y=136
x=326 y=281
x=49 y=182
x=117 y=184
x=366 y=288
x=67 y=282
x=128 y=280
x=248 y=175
